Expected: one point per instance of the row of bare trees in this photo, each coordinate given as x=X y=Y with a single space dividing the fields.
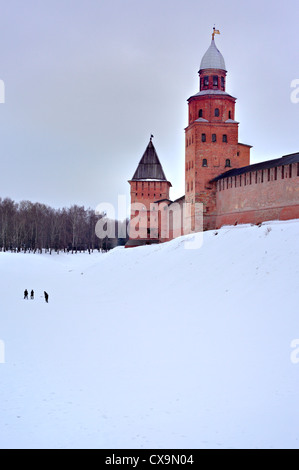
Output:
x=28 y=226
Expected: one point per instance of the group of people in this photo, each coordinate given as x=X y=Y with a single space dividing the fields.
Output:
x=46 y=295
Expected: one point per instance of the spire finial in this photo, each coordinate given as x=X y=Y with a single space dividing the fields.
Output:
x=215 y=31
x=151 y=137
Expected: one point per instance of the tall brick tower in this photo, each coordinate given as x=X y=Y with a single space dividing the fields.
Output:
x=211 y=145
x=148 y=186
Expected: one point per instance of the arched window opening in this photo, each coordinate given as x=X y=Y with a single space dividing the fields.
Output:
x=216 y=112
x=203 y=137
x=224 y=138
x=204 y=162
x=214 y=138
x=200 y=113
x=227 y=162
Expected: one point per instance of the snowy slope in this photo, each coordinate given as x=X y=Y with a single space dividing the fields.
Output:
x=154 y=347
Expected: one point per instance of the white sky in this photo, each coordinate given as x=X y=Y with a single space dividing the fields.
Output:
x=88 y=82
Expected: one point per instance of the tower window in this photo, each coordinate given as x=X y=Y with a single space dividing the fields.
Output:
x=217 y=112
x=229 y=115
x=200 y=113
x=204 y=162
x=227 y=162
x=215 y=80
x=213 y=137
x=222 y=83
x=224 y=138
x=203 y=137
x=206 y=81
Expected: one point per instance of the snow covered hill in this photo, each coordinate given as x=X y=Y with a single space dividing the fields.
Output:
x=154 y=347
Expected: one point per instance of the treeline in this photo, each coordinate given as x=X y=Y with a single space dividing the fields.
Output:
x=28 y=226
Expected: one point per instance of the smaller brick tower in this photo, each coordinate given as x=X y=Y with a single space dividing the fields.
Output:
x=211 y=146
x=148 y=185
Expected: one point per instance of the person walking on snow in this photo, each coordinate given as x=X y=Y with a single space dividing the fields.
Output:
x=26 y=294
x=46 y=296
x=32 y=295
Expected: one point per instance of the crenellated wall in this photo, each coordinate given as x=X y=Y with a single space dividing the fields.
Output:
x=257 y=196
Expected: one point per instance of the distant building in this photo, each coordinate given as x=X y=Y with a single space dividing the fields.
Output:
x=218 y=173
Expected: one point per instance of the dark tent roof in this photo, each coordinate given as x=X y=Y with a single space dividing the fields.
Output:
x=149 y=166
x=285 y=160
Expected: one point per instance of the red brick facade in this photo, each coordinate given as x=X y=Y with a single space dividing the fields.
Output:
x=218 y=173
x=257 y=196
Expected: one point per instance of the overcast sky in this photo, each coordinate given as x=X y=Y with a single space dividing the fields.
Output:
x=87 y=82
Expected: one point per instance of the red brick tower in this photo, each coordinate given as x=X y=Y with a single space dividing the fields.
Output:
x=148 y=185
x=211 y=146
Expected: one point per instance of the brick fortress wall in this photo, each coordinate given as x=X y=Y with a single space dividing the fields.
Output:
x=257 y=196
